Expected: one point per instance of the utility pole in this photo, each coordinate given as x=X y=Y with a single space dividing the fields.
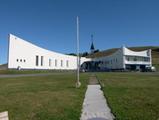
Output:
x=78 y=84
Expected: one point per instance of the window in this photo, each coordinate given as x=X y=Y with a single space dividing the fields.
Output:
x=61 y=63
x=42 y=60
x=37 y=60
x=49 y=62
x=17 y=60
x=24 y=60
x=135 y=58
x=148 y=59
x=127 y=58
x=67 y=63
x=20 y=60
x=55 y=63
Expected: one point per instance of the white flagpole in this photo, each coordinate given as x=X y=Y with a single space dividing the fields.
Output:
x=78 y=84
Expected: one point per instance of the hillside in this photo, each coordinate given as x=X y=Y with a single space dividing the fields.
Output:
x=3 y=66
x=155 y=53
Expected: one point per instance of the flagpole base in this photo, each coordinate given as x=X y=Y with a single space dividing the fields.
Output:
x=78 y=84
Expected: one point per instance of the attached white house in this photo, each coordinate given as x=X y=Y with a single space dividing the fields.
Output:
x=125 y=58
x=25 y=55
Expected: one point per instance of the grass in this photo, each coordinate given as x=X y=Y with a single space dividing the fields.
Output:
x=132 y=96
x=52 y=97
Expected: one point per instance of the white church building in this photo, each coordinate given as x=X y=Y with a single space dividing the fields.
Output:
x=125 y=59
x=25 y=55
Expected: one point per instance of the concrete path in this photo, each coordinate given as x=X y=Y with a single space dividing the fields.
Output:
x=95 y=106
x=93 y=80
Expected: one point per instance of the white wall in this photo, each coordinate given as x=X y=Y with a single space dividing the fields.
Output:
x=118 y=61
x=26 y=53
x=145 y=53
x=134 y=53
x=20 y=49
x=114 y=61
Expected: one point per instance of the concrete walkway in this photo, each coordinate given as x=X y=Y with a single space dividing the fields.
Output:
x=94 y=105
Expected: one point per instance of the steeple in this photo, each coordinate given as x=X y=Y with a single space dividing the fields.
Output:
x=92 y=45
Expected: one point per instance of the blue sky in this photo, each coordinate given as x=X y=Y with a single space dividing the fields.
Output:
x=51 y=24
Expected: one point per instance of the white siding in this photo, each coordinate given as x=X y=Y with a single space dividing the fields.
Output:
x=114 y=61
x=20 y=49
x=118 y=59
x=144 y=54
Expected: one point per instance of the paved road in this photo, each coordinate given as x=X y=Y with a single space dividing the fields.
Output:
x=28 y=75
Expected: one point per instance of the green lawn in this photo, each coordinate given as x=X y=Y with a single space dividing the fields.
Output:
x=52 y=97
x=132 y=96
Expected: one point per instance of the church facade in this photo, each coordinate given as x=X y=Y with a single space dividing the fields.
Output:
x=25 y=55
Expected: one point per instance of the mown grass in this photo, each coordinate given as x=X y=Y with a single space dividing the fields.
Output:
x=132 y=96
x=52 y=97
